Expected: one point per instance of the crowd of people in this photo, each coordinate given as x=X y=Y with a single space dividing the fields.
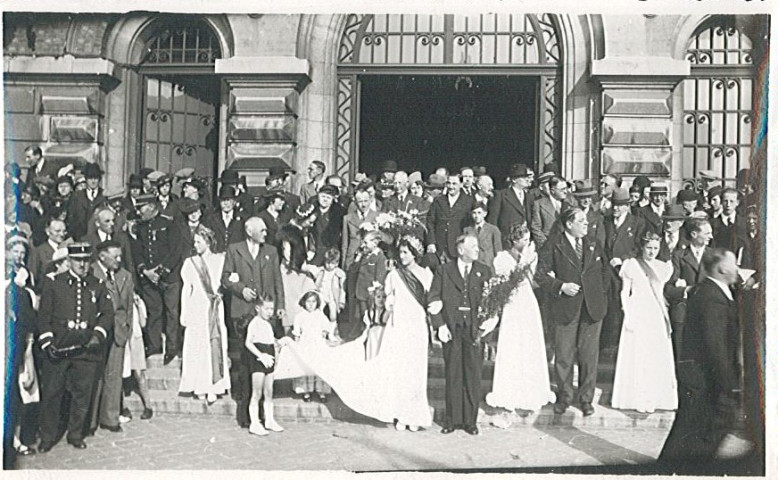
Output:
x=343 y=285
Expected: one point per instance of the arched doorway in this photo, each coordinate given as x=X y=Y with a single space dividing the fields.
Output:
x=448 y=90
x=181 y=96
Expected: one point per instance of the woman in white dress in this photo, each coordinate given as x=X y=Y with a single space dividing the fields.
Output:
x=204 y=369
x=404 y=350
x=645 y=367
x=521 y=378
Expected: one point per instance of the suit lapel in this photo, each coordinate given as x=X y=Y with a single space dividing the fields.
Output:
x=456 y=277
x=510 y=197
x=567 y=250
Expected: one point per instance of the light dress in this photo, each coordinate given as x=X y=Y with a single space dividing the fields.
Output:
x=196 y=358
x=645 y=367
x=521 y=379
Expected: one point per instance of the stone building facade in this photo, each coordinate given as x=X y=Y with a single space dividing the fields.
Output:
x=665 y=95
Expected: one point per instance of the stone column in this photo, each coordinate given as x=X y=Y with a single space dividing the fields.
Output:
x=641 y=133
x=259 y=113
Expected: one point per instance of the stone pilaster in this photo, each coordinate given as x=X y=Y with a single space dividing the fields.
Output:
x=260 y=113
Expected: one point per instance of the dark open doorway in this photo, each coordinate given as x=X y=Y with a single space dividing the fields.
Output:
x=425 y=122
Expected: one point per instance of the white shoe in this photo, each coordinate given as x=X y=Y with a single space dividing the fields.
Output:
x=258 y=429
x=123 y=419
x=273 y=426
x=413 y=428
x=399 y=426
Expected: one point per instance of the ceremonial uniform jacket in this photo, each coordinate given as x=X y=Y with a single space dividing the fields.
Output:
x=158 y=244
x=73 y=309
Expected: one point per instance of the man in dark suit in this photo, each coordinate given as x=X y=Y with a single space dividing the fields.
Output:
x=402 y=200
x=709 y=373
x=622 y=241
x=84 y=202
x=672 y=237
x=40 y=257
x=584 y=196
x=251 y=269
x=467 y=176
x=227 y=223
x=546 y=210
x=729 y=229
x=453 y=303
x=512 y=205
x=105 y=229
x=352 y=222
x=574 y=272
x=687 y=272
x=652 y=213
x=39 y=166
x=106 y=401
x=447 y=219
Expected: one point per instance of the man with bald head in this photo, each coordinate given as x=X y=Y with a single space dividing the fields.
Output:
x=251 y=270
x=402 y=200
x=104 y=229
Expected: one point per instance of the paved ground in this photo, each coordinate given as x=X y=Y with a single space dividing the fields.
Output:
x=195 y=442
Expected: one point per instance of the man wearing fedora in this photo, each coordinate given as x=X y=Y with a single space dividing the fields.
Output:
x=84 y=202
x=512 y=205
x=652 y=213
x=623 y=232
x=227 y=223
x=276 y=181
x=75 y=316
x=158 y=255
x=673 y=238
x=309 y=190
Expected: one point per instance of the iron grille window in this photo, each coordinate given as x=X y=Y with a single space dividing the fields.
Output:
x=718 y=100
x=176 y=44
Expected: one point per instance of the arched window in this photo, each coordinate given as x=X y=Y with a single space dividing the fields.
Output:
x=718 y=99
x=179 y=42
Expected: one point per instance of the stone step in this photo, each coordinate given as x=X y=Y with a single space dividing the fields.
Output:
x=290 y=408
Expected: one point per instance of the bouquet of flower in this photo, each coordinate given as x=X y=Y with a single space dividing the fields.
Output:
x=498 y=290
x=400 y=223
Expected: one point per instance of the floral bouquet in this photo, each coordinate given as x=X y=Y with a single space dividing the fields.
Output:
x=498 y=290
x=398 y=224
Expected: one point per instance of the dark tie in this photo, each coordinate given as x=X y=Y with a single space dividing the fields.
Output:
x=579 y=248
x=478 y=230
x=111 y=278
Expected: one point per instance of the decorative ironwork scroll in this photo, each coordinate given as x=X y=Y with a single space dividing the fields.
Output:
x=174 y=44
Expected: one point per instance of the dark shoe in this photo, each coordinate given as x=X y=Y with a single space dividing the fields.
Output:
x=471 y=430
x=446 y=430
x=560 y=408
x=168 y=358
x=114 y=428
x=79 y=444
x=45 y=447
x=147 y=413
x=244 y=424
x=587 y=409
x=306 y=398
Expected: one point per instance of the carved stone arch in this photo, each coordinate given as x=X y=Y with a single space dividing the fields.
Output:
x=126 y=40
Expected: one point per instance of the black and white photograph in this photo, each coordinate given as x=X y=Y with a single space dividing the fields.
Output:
x=478 y=240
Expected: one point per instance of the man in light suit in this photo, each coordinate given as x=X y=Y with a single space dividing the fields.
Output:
x=40 y=258
x=512 y=205
x=709 y=371
x=106 y=401
x=489 y=236
x=447 y=219
x=546 y=210
x=402 y=200
x=687 y=272
x=352 y=222
x=574 y=272
x=453 y=304
x=309 y=190
x=251 y=269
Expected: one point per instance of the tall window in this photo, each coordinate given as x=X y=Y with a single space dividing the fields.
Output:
x=718 y=100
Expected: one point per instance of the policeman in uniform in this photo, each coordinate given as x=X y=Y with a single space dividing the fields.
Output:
x=75 y=316
x=157 y=252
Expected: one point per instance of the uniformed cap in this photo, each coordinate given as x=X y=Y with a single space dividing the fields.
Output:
x=80 y=250
x=545 y=177
x=155 y=176
x=145 y=199
x=707 y=175
x=185 y=172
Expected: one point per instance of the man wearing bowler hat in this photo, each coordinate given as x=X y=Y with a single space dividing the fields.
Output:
x=623 y=232
x=652 y=213
x=244 y=204
x=227 y=223
x=75 y=317
x=512 y=205
x=673 y=239
x=158 y=255
x=84 y=202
